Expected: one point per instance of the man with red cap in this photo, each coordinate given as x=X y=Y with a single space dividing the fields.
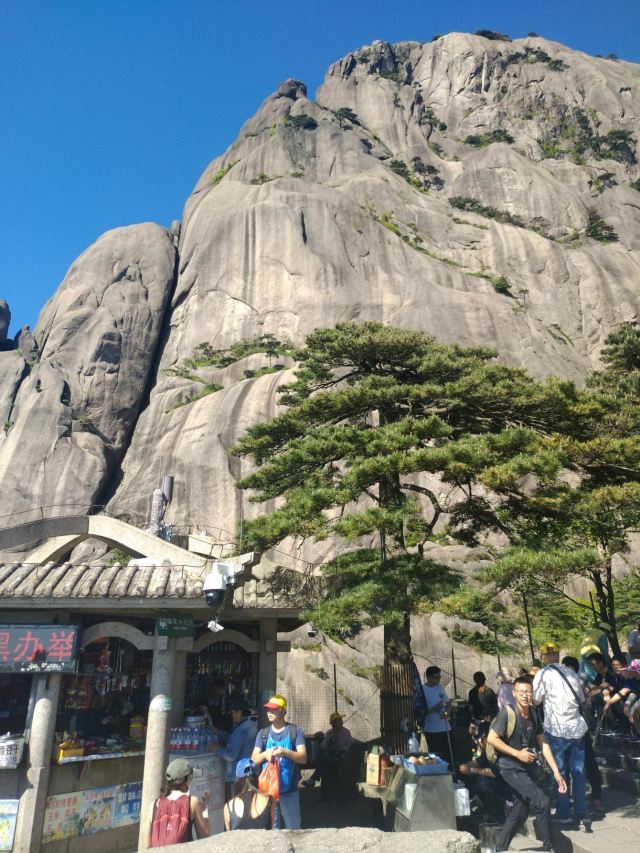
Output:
x=285 y=743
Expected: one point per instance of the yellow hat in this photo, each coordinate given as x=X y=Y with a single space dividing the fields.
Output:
x=335 y=716
x=549 y=647
x=276 y=702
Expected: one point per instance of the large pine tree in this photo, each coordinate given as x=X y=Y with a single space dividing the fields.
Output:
x=385 y=442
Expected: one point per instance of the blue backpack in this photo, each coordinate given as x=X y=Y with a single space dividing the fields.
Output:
x=287 y=766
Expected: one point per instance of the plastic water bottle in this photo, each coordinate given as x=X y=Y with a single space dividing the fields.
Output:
x=413 y=746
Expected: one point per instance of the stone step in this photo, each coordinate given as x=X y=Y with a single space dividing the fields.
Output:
x=621 y=779
x=616 y=758
x=615 y=741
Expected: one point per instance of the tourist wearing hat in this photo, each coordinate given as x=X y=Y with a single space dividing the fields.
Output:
x=284 y=742
x=248 y=808
x=333 y=751
x=175 y=812
x=549 y=653
x=595 y=641
x=240 y=742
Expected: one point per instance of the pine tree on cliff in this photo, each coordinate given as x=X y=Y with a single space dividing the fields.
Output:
x=372 y=410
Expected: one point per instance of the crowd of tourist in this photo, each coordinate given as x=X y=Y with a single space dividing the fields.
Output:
x=551 y=711
x=545 y=715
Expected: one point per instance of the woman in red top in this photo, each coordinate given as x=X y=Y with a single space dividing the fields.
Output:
x=175 y=811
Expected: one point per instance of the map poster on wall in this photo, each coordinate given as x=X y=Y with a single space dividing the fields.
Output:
x=8 y=816
x=126 y=809
x=62 y=817
x=96 y=810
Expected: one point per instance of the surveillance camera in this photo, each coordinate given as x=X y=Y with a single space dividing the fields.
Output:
x=215 y=626
x=221 y=577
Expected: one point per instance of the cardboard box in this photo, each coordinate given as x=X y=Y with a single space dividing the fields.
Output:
x=373 y=769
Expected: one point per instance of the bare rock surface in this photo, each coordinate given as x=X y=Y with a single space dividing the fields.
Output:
x=306 y=221
x=73 y=407
x=348 y=840
x=484 y=192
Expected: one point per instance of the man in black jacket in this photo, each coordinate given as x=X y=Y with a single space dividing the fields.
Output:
x=516 y=734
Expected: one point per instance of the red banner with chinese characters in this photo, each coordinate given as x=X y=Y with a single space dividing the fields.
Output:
x=38 y=648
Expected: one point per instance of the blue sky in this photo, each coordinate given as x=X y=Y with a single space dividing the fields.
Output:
x=111 y=109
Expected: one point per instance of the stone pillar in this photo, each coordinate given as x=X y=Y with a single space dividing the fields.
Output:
x=158 y=725
x=30 y=820
x=267 y=663
x=179 y=686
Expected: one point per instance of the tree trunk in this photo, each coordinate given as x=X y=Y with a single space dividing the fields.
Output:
x=606 y=606
x=396 y=686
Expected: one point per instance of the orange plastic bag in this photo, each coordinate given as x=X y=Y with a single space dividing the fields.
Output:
x=269 y=779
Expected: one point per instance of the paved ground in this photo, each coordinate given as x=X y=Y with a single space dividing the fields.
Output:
x=617 y=832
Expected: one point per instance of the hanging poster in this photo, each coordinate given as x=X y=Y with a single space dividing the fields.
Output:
x=96 y=810
x=126 y=809
x=8 y=816
x=62 y=817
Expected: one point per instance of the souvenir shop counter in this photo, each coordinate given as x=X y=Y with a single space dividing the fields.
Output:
x=76 y=759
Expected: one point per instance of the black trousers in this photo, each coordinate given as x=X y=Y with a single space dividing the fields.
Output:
x=491 y=791
x=591 y=769
x=527 y=797
x=438 y=742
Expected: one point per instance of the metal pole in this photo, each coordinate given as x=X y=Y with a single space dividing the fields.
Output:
x=335 y=689
x=593 y=607
x=453 y=671
x=495 y=636
x=526 y=616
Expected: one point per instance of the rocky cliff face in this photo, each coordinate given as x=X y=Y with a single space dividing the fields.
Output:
x=387 y=199
x=484 y=192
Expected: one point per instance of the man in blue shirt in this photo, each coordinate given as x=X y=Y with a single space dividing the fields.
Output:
x=285 y=743
x=240 y=742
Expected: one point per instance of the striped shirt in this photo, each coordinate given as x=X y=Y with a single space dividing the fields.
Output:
x=562 y=717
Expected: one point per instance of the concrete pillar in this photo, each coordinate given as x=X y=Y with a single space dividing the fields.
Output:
x=179 y=686
x=267 y=663
x=158 y=725
x=30 y=820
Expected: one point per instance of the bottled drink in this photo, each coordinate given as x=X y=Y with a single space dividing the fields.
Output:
x=413 y=745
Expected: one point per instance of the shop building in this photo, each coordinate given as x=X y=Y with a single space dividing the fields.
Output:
x=120 y=655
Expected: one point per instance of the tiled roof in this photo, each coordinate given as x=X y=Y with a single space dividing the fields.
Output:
x=262 y=587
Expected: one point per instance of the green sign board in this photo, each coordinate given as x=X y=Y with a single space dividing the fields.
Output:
x=174 y=626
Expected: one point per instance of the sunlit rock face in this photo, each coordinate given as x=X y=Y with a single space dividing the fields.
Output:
x=70 y=402
x=458 y=187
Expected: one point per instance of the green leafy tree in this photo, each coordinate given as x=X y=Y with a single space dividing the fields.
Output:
x=586 y=503
x=346 y=114
x=375 y=416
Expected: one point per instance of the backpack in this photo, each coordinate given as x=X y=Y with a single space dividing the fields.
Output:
x=171 y=821
x=287 y=767
x=491 y=752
